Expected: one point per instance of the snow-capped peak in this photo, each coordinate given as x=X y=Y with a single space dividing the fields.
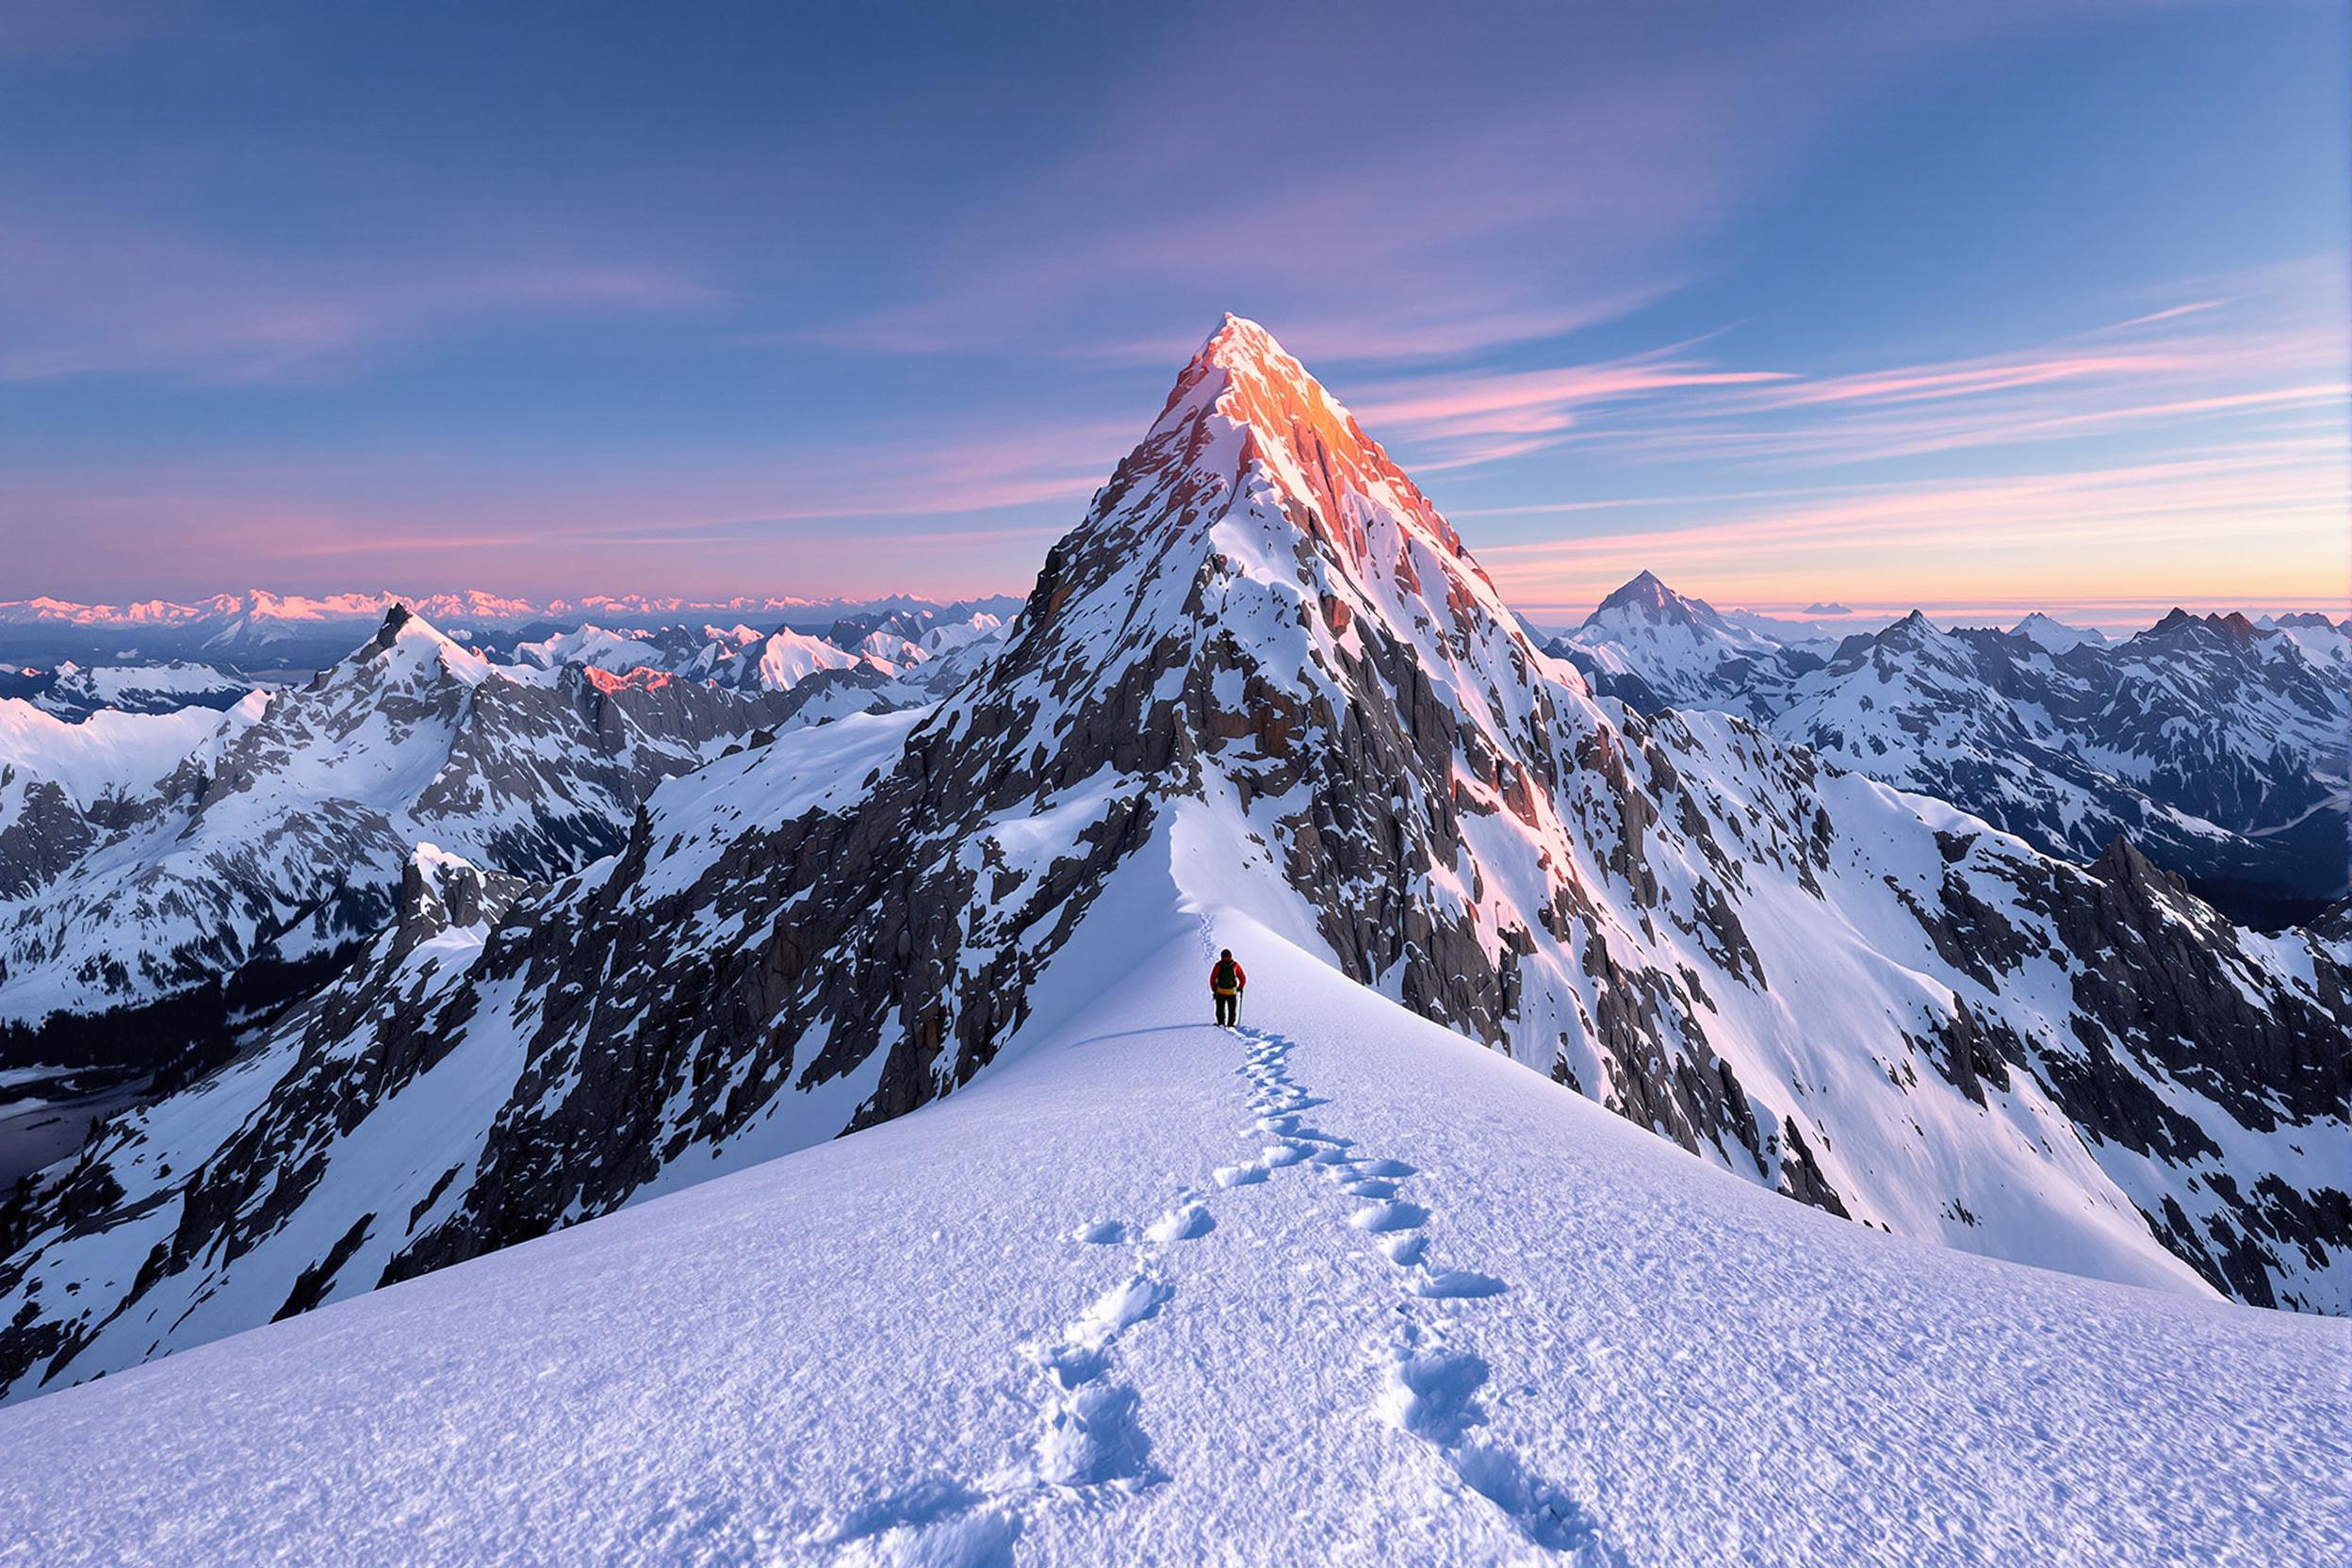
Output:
x=1648 y=600
x=2055 y=636
x=1297 y=429
x=407 y=644
x=1658 y=647
x=1913 y=629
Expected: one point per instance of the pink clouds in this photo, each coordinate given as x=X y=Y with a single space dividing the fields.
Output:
x=2260 y=525
x=2263 y=357
x=830 y=515
x=1529 y=403
x=1965 y=380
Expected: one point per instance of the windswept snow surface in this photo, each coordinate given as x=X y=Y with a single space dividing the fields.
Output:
x=1341 y=1287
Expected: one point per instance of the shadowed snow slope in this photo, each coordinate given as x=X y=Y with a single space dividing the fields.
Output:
x=1343 y=1288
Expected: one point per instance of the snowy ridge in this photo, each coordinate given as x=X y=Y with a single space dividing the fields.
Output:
x=904 y=658
x=1263 y=666
x=78 y=693
x=258 y=628
x=1558 y=1341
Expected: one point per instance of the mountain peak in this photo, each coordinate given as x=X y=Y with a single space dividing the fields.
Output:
x=1242 y=340
x=2233 y=627
x=1243 y=403
x=1645 y=590
x=2054 y=636
x=407 y=643
x=395 y=622
x=1646 y=600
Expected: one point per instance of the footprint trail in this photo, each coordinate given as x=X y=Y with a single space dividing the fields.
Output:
x=1090 y=1441
x=1432 y=1380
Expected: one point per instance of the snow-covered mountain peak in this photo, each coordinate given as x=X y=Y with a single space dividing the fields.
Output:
x=1647 y=602
x=1243 y=381
x=1658 y=647
x=408 y=647
x=1648 y=598
x=2055 y=636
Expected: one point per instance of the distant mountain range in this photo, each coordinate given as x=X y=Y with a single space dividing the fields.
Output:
x=258 y=630
x=2217 y=744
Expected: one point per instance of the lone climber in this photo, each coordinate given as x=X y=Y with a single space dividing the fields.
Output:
x=1226 y=981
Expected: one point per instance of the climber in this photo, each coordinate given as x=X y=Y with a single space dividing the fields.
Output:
x=1226 y=981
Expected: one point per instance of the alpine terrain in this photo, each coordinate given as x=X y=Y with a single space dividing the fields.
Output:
x=1261 y=695
x=163 y=874
x=1340 y=1287
x=2222 y=749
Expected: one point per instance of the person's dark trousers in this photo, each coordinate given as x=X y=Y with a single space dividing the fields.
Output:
x=1228 y=1009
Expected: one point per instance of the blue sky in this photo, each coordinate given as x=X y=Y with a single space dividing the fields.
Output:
x=1954 y=305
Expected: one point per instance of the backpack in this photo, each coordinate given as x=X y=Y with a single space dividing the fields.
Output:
x=1225 y=979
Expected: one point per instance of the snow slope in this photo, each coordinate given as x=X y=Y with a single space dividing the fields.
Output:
x=1343 y=1288
x=161 y=688
x=110 y=753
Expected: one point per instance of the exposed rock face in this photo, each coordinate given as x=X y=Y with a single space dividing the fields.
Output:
x=1264 y=668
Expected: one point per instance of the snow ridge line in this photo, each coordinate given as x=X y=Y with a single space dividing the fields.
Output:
x=1430 y=1387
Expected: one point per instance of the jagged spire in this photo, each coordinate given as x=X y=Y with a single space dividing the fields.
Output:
x=1318 y=456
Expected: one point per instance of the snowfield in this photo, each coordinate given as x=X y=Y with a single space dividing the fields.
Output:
x=1341 y=1289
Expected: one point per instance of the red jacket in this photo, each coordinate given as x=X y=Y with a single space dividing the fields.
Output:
x=1240 y=977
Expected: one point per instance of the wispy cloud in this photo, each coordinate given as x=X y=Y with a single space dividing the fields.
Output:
x=84 y=302
x=2253 y=358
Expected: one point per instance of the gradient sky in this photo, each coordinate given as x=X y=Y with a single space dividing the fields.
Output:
x=1971 y=304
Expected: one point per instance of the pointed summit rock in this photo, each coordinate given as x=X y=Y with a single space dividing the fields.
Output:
x=1242 y=380
x=1644 y=590
x=1646 y=600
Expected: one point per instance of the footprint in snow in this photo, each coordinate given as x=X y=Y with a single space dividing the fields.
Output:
x=1432 y=1393
x=1090 y=1434
x=1379 y=1217
x=1186 y=1222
